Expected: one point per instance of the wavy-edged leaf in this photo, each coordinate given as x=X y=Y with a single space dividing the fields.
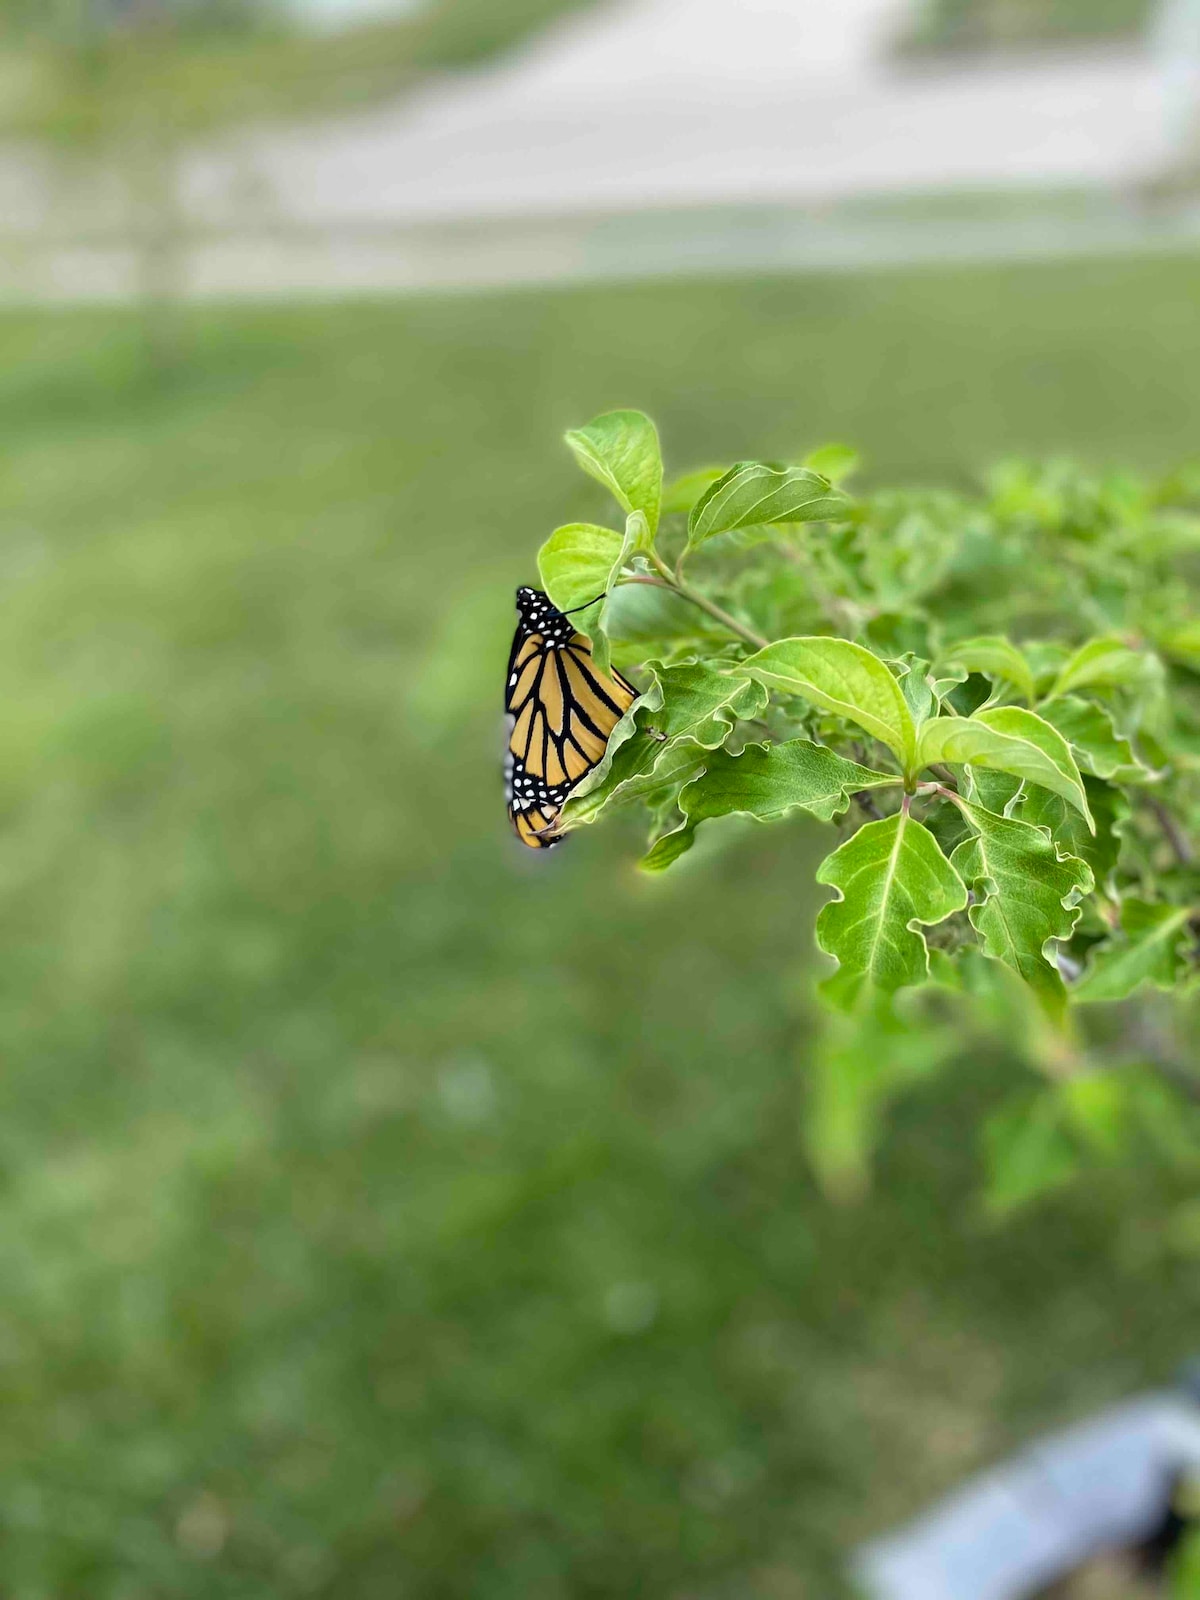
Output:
x=1110 y=810
x=1007 y=739
x=1099 y=748
x=1027 y=896
x=656 y=790
x=766 y=782
x=620 y=450
x=1001 y=793
x=1018 y=723
x=837 y=462
x=996 y=658
x=693 y=703
x=1106 y=663
x=844 y=678
x=1150 y=948
x=891 y=879
x=683 y=492
x=753 y=493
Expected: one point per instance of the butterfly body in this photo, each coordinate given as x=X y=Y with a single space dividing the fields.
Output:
x=562 y=710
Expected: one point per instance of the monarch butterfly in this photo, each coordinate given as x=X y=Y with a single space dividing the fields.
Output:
x=562 y=710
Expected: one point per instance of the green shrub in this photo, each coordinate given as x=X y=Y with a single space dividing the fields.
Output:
x=995 y=703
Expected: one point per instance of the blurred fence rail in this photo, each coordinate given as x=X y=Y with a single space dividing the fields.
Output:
x=308 y=260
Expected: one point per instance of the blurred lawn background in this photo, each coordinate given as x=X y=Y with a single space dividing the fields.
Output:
x=387 y=1211
x=74 y=68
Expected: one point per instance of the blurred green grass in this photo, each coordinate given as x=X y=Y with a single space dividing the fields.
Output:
x=386 y=1211
x=983 y=24
x=75 y=73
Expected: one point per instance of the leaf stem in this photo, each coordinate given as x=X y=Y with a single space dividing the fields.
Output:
x=1179 y=1077
x=946 y=794
x=1181 y=845
x=670 y=580
x=862 y=799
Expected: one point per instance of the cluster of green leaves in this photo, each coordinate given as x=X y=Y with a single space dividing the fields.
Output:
x=996 y=702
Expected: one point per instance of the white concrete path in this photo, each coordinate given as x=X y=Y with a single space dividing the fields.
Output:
x=684 y=102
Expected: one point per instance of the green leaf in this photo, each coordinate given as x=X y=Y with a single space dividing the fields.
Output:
x=843 y=678
x=858 y=1066
x=1167 y=1115
x=695 y=704
x=620 y=450
x=921 y=692
x=995 y=658
x=1071 y=834
x=681 y=495
x=753 y=493
x=837 y=462
x=659 y=785
x=1101 y=1116
x=1027 y=1152
x=1097 y=1106
x=637 y=533
x=1098 y=747
x=1045 y=658
x=1182 y=645
x=581 y=562
x=1001 y=793
x=891 y=878
x=1101 y=663
x=1026 y=896
x=651 y=623
x=766 y=782
x=1150 y=949
x=1007 y=739
x=1018 y=723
